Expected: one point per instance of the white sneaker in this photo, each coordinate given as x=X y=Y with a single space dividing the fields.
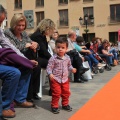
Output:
x=104 y=64
x=92 y=74
x=101 y=65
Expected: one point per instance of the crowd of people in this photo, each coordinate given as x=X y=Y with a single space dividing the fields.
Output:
x=22 y=56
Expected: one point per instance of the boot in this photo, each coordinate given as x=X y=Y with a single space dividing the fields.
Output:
x=83 y=70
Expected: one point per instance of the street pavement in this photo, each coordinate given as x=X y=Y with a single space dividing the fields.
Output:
x=80 y=94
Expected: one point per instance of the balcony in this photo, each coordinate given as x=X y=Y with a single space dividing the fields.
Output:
x=89 y=23
x=113 y=20
x=63 y=23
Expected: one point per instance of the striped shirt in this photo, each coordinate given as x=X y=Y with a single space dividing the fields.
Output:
x=59 y=67
x=19 y=44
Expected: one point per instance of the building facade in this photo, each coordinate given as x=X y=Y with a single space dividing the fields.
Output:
x=103 y=16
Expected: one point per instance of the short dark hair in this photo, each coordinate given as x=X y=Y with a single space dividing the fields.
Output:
x=79 y=39
x=62 y=40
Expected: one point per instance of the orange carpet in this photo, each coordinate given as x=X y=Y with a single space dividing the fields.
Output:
x=105 y=105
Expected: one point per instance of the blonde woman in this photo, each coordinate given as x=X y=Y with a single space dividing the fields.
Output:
x=44 y=29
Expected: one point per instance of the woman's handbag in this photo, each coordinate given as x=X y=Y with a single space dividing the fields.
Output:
x=115 y=62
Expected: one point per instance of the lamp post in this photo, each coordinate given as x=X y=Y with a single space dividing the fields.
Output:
x=86 y=24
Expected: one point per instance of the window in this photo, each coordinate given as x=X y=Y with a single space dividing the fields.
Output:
x=63 y=17
x=39 y=17
x=18 y=4
x=89 y=12
x=113 y=37
x=90 y=36
x=115 y=13
x=63 y=1
x=39 y=3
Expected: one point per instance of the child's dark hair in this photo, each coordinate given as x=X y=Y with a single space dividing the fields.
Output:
x=62 y=40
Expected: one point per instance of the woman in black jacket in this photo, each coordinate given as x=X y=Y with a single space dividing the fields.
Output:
x=44 y=29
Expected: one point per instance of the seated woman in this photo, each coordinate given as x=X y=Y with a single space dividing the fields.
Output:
x=96 y=42
x=104 y=53
x=19 y=38
x=44 y=29
x=113 y=51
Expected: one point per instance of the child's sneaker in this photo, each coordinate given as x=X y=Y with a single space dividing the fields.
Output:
x=67 y=108
x=55 y=110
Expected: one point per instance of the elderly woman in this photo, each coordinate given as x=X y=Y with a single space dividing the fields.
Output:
x=44 y=29
x=19 y=38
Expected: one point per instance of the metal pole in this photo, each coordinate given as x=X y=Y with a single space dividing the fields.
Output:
x=86 y=33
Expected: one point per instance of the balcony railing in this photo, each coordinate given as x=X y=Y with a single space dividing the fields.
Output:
x=113 y=20
x=89 y=23
x=63 y=23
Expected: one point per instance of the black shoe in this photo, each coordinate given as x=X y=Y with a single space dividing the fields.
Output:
x=67 y=108
x=84 y=79
x=112 y=65
x=78 y=81
x=36 y=97
x=83 y=70
x=30 y=100
x=55 y=110
x=50 y=92
x=2 y=118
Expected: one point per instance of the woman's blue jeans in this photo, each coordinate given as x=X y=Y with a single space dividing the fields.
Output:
x=109 y=59
x=115 y=54
x=15 y=84
x=91 y=60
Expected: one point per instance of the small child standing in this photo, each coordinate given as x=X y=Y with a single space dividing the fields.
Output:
x=58 y=69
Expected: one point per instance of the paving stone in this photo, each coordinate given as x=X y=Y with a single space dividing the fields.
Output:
x=80 y=94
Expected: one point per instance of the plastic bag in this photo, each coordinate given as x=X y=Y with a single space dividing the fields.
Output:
x=87 y=74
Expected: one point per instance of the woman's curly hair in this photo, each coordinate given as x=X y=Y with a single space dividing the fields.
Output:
x=95 y=39
x=45 y=24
